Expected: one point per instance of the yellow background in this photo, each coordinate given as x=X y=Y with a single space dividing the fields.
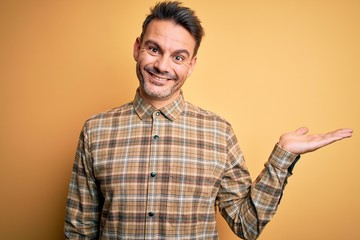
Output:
x=266 y=66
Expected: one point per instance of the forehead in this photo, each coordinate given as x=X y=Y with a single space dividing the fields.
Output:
x=169 y=36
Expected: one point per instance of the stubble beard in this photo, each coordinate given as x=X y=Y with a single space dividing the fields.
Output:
x=158 y=94
x=151 y=91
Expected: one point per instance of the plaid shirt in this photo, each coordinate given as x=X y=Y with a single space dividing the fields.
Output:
x=146 y=173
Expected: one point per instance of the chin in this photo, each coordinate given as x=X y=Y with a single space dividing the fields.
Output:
x=157 y=92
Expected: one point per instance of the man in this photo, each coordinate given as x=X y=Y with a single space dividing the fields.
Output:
x=157 y=167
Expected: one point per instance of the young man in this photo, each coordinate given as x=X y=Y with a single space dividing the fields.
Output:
x=157 y=167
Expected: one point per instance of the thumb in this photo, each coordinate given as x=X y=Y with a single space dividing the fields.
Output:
x=302 y=131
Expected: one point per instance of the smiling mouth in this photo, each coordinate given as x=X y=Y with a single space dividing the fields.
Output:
x=158 y=77
x=159 y=81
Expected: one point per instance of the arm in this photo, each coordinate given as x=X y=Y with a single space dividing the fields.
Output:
x=248 y=207
x=83 y=202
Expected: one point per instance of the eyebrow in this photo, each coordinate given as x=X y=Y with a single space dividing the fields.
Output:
x=179 y=51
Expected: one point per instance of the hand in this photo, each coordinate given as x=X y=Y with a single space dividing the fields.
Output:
x=297 y=142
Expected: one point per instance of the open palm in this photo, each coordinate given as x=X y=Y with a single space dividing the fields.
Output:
x=299 y=142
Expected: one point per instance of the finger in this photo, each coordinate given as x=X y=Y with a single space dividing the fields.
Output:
x=341 y=132
x=302 y=131
x=346 y=132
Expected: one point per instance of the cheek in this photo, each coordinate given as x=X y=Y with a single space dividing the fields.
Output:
x=145 y=58
x=146 y=62
x=181 y=71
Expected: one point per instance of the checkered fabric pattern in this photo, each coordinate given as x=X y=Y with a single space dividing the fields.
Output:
x=146 y=173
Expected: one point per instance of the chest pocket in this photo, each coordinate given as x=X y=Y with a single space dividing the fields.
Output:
x=191 y=179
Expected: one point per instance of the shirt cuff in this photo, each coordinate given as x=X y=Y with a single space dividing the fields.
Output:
x=283 y=159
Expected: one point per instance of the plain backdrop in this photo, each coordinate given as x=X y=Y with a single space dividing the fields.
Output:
x=266 y=66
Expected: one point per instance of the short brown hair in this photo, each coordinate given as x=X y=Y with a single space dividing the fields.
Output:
x=184 y=16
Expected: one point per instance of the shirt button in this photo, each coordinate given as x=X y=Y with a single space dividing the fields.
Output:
x=157 y=113
x=156 y=137
x=153 y=174
x=151 y=214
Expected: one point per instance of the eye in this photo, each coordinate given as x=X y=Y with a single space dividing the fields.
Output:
x=153 y=50
x=179 y=58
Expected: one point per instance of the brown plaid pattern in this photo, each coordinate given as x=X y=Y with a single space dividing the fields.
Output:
x=146 y=173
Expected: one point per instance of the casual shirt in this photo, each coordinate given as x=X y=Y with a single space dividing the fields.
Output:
x=146 y=173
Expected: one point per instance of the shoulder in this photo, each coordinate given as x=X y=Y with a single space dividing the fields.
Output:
x=108 y=117
x=192 y=110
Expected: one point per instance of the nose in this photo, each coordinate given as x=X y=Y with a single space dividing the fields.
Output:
x=162 y=64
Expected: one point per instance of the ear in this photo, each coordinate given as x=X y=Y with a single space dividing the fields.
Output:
x=192 y=66
x=136 y=50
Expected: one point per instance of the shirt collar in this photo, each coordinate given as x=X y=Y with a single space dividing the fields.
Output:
x=171 y=111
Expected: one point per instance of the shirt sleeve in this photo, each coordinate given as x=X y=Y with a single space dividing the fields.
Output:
x=248 y=206
x=83 y=202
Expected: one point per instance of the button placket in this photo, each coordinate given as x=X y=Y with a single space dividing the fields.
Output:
x=156 y=114
x=156 y=137
x=155 y=121
x=151 y=209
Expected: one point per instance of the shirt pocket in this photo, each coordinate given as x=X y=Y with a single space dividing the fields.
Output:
x=192 y=180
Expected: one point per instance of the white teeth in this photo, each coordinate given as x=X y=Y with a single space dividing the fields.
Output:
x=158 y=78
